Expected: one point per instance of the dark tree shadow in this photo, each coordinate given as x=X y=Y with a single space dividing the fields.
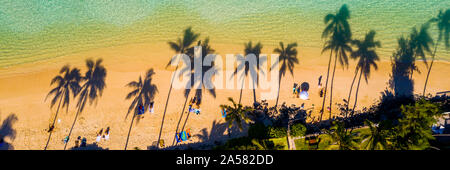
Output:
x=67 y=85
x=208 y=140
x=402 y=62
x=92 y=146
x=92 y=89
x=7 y=131
x=196 y=79
x=143 y=92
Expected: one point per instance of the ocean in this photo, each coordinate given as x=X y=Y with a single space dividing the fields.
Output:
x=34 y=30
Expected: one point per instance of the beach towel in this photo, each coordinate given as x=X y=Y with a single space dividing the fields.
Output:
x=141 y=110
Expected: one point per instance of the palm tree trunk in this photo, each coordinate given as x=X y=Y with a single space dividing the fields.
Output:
x=357 y=90
x=254 y=93
x=350 y=93
x=165 y=108
x=412 y=68
x=326 y=85
x=278 y=96
x=332 y=82
x=73 y=124
x=429 y=69
x=242 y=87
x=53 y=124
x=179 y=121
x=129 y=131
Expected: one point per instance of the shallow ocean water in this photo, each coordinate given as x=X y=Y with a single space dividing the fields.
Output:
x=33 y=30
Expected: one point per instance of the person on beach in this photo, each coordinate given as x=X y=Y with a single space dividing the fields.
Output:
x=151 y=108
x=320 y=81
x=66 y=139
x=294 y=89
x=50 y=129
x=99 y=136
x=224 y=113
x=141 y=111
x=83 y=142
x=321 y=92
x=106 y=137
x=77 y=142
x=298 y=92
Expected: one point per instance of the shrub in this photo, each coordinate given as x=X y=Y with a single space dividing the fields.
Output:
x=276 y=132
x=258 y=131
x=298 y=130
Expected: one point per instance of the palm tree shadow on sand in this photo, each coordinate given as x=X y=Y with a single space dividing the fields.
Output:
x=7 y=131
x=196 y=80
x=208 y=140
x=92 y=89
x=92 y=146
x=143 y=93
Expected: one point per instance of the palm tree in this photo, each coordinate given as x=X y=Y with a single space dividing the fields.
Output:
x=343 y=140
x=92 y=89
x=143 y=93
x=236 y=114
x=288 y=57
x=206 y=49
x=443 y=24
x=181 y=46
x=339 y=34
x=264 y=144
x=377 y=139
x=67 y=84
x=420 y=42
x=367 y=58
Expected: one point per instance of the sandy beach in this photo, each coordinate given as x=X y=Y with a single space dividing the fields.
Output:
x=24 y=88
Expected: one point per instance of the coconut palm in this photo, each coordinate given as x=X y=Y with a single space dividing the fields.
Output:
x=206 y=49
x=67 y=84
x=367 y=58
x=92 y=89
x=339 y=34
x=420 y=43
x=264 y=144
x=377 y=139
x=342 y=139
x=443 y=25
x=236 y=114
x=288 y=58
x=180 y=46
x=143 y=93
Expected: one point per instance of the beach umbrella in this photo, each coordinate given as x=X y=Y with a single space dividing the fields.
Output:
x=304 y=95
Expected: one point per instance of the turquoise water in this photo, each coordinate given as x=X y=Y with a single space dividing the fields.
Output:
x=33 y=30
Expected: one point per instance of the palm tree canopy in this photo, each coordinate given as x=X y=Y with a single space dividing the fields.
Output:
x=67 y=83
x=366 y=53
x=288 y=57
x=236 y=113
